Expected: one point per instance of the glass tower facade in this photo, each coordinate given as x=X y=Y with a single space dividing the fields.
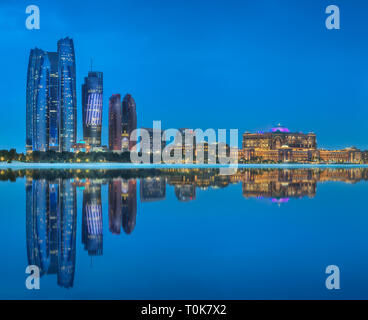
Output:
x=53 y=101
x=41 y=103
x=33 y=74
x=67 y=96
x=92 y=92
x=41 y=111
x=129 y=122
x=115 y=123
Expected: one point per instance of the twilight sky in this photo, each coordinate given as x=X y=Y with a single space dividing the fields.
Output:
x=203 y=64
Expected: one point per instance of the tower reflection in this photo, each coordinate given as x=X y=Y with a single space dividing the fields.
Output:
x=92 y=219
x=51 y=228
x=67 y=227
x=129 y=205
x=122 y=205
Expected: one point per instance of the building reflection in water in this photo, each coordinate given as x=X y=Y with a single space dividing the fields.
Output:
x=92 y=219
x=185 y=192
x=122 y=205
x=67 y=229
x=51 y=205
x=152 y=189
x=51 y=228
x=115 y=205
x=129 y=204
x=279 y=185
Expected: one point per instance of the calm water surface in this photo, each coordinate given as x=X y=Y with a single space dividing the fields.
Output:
x=184 y=234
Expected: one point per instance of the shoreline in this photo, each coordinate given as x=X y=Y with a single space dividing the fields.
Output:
x=131 y=166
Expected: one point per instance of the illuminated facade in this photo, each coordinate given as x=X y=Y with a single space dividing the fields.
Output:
x=281 y=145
x=41 y=105
x=41 y=112
x=53 y=101
x=33 y=75
x=154 y=149
x=129 y=122
x=350 y=155
x=67 y=95
x=92 y=101
x=184 y=145
x=115 y=122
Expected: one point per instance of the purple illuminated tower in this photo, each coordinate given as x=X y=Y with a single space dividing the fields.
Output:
x=115 y=122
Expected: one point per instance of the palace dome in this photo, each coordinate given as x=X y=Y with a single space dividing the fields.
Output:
x=279 y=128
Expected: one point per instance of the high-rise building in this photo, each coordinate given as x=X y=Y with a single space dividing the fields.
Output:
x=33 y=75
x=41 y=105
x=53 y=101
x=115 y=122
x=41 y=111
x=92 y=91
x=67 y=95
x=129 y=122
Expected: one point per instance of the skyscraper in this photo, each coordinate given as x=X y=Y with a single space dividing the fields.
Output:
x=115 y=122
x=67 y=96
x=92 y=91
x=41 y=105
x=53 y=101
x=33 y=75
x=129 y=122
x=41 y=111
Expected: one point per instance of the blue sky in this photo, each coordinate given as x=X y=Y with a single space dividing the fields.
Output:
x=203 y=64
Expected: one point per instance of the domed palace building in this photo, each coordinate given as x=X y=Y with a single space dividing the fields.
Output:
x=279 y=144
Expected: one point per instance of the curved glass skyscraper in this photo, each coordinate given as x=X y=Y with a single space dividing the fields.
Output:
x=41 y=108
x=67 y=96
x=92 y=91
x=33 y=74
x=53 y=101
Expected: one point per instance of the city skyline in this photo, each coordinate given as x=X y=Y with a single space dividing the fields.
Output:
x=184 y=150
x=303 y=76
x=51 y=116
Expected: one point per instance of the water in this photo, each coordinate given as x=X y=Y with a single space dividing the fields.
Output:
x=184 y=234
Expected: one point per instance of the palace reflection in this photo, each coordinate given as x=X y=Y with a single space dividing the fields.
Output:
x=51 y=203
